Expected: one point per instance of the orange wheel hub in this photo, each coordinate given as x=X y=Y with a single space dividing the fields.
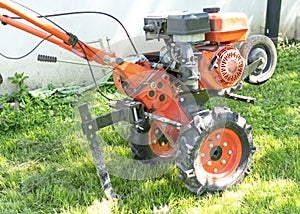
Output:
x=158 y=142
x=220 y=154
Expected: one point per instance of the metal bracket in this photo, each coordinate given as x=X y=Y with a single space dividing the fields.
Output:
x=164 y=120
x=89 y=128
x=240 y=98
x=249 y=69
x=129 y=111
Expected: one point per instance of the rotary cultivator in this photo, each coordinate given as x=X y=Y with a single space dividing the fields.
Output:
x=206 y=54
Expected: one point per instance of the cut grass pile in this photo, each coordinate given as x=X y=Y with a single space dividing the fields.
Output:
x=46 y=168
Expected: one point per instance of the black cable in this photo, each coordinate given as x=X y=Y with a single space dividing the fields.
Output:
x=85 y=12
x=92 y=73
x=78 y=42
x=39 y=15
x=30 y=52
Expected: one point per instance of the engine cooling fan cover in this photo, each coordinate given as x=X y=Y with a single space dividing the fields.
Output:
x=230 y=65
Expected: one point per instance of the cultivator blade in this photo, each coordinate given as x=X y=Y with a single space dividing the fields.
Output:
x=90 y=127
x=126 y=110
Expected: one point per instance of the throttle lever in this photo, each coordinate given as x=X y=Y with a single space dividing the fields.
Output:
x=53 y=59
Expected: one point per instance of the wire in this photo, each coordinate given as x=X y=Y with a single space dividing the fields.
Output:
x=85 y=12
x=30 y=52
x=39 y=15
x=79 y=42
x=99 y=13
x=92 y=73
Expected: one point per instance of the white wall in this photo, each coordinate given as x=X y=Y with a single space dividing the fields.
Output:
x=92 y=27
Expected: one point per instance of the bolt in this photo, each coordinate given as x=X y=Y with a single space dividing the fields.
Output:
x=211 y=145
x=225 y=144
x=142 y=59
x=153 y=141
x=90 y=127
x=152 y=85
x=209 y=163
x=218 y=136
x=156 y=131
x=230 y=152
x=215 y=170
x=223 y=162
x=163 y=143
x=203 y=155
x=181 y=99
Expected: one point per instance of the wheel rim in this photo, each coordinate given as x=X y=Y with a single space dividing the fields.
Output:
x=159 y=143
x=220 y=154
x=257 y=52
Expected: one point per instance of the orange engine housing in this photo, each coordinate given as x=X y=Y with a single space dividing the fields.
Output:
x=220 y=69
x=227 y=27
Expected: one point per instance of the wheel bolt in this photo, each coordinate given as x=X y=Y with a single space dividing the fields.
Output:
x=215 y=170
x=211 y=145
x=218 y=136
x=209 y=163
x=203 y=155
x=156 y=131
x=230 y=152
x=223 y=162
x=153 y=141
x=225 y=144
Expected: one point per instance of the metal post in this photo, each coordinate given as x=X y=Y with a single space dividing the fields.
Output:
x=273 y=19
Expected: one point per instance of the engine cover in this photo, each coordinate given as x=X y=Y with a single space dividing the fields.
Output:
x=221 y=69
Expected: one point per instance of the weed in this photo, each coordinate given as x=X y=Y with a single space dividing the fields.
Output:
x=22 y=89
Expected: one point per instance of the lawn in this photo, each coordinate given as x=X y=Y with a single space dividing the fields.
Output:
x=45 y=166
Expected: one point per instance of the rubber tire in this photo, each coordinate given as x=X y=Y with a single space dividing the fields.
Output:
x=194 y=134
x=264 y=42
x=139 y=144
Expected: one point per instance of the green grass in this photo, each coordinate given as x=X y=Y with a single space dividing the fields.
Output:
x=45 y=166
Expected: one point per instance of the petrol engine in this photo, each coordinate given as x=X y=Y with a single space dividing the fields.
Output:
x=199 y=46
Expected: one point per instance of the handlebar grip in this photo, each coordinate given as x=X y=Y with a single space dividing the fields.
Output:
x=45 y=58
